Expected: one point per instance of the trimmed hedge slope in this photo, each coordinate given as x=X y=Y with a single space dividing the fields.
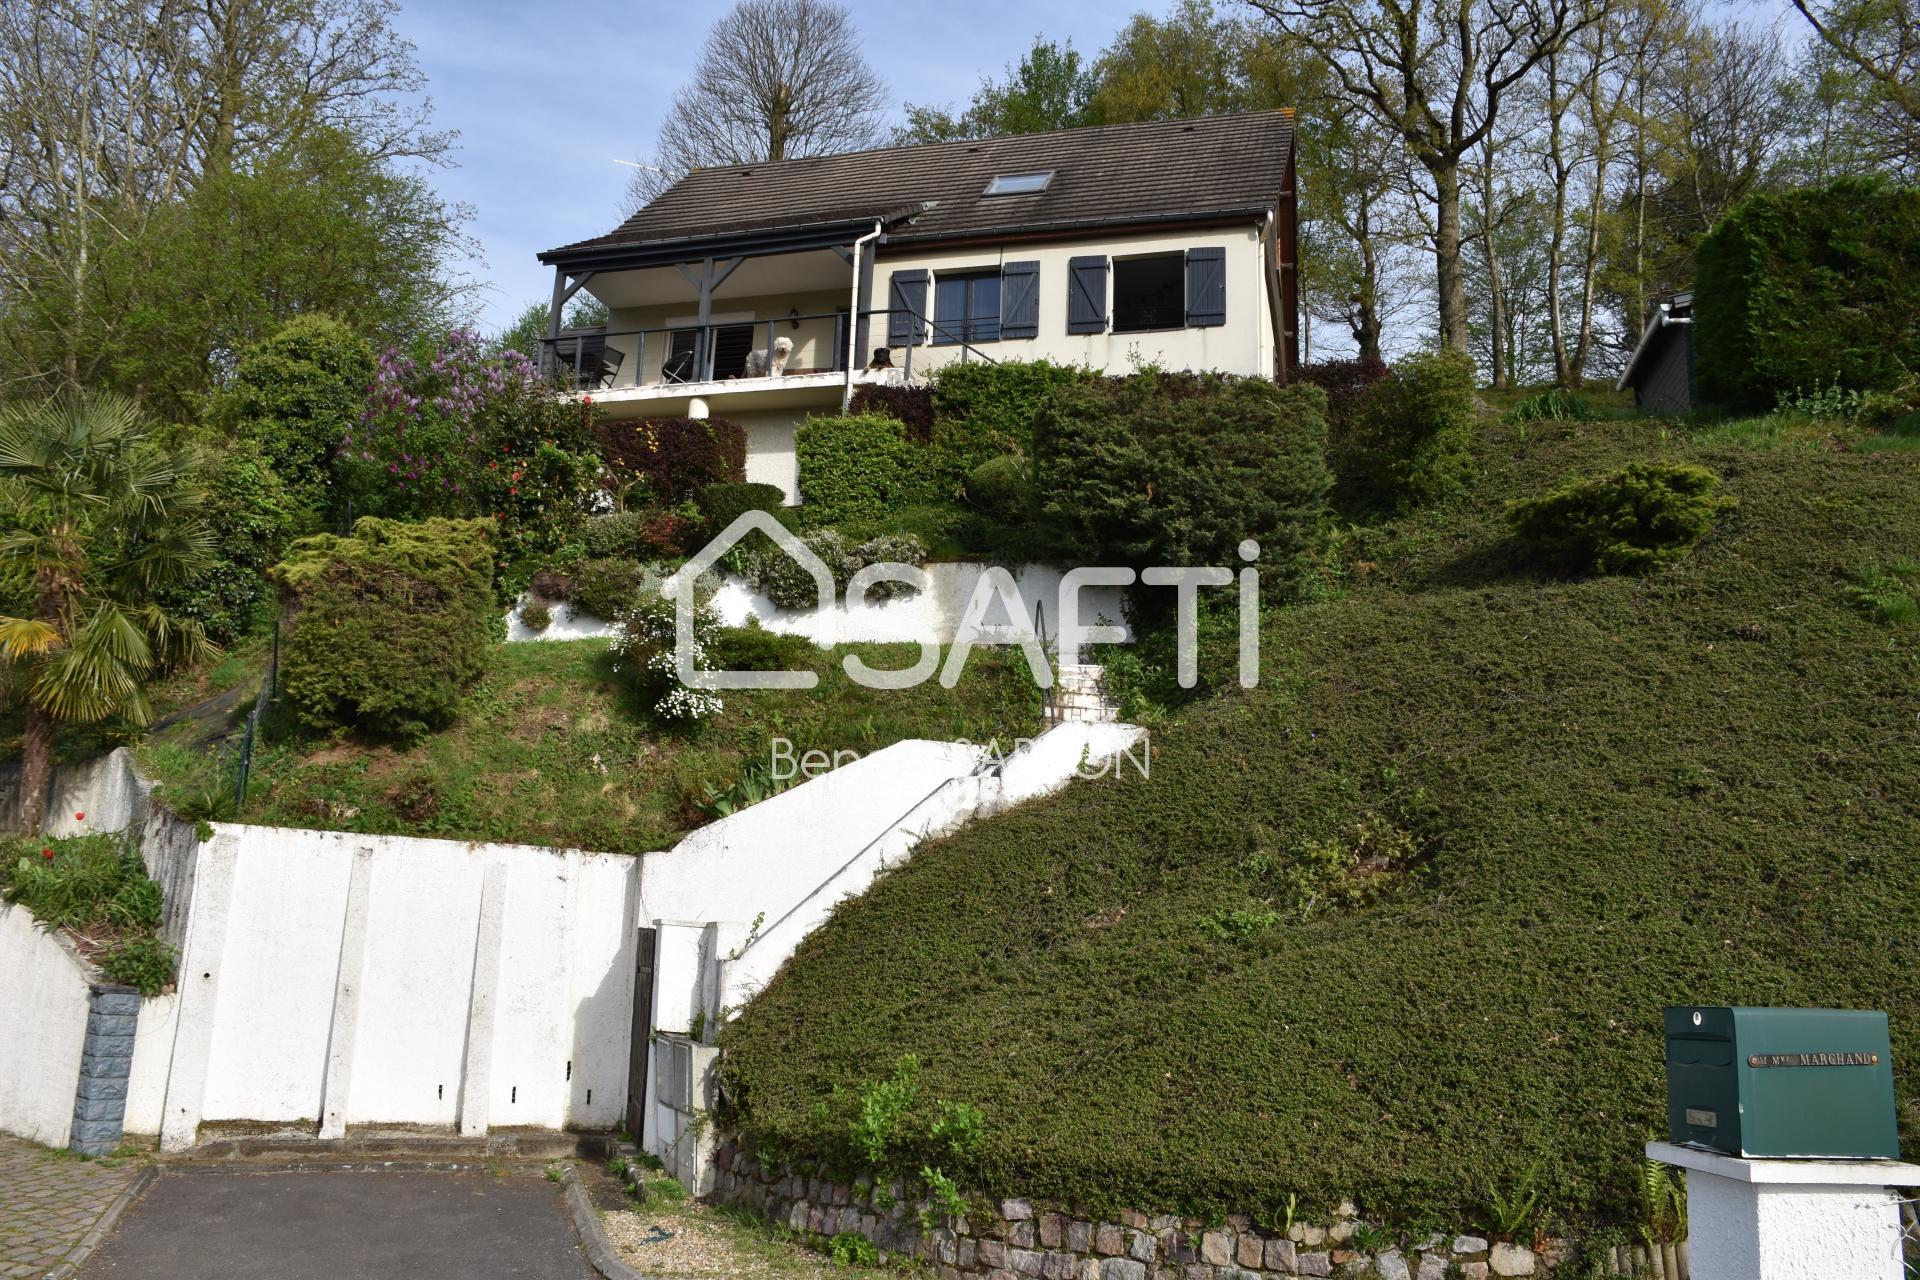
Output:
x=1697 y=786
x=1799 y=290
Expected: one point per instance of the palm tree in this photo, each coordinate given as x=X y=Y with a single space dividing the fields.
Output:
x=95 y=520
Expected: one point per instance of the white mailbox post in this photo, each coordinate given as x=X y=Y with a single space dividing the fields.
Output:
x=1791 y=1219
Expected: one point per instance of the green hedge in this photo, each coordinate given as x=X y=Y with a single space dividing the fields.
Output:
x=387 y=627
x=1803 y=289
x=857 y=467
x=1414 y=437
x=983 y=410
x=722 y=504
x=1178 y=469
x=297 y=395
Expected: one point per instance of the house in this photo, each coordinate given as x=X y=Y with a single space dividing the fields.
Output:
x=764 y=293
x=1660 y=371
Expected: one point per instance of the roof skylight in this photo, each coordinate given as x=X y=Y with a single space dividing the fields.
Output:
x=1018 y=184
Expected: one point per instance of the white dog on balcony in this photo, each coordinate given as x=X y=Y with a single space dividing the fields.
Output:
x=757 y=362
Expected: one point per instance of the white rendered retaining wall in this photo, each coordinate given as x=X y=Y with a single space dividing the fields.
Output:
x=929 y=617
x=43 y=1028
x=341 y=980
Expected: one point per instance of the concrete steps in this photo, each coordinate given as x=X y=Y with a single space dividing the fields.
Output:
x=1080 y=696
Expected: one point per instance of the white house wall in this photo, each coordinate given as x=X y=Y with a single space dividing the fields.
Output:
x=1243 y=345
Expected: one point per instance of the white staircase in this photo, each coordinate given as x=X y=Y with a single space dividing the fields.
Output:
x=1080 y=696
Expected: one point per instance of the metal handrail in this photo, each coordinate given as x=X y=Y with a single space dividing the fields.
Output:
x=1049 y=695
x=703 y=354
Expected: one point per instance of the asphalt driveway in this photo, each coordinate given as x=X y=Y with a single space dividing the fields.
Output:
x=235 y=1223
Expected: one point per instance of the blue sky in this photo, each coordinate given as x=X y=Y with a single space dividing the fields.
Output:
x=545 y=97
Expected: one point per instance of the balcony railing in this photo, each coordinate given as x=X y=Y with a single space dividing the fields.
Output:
x=603 y=359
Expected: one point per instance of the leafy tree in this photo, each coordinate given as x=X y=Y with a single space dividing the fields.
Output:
x=180 y=178
x=99 y=520
x=530 y=326
x=1437 y=81
x=1048 y=88
x=776 y=80
x=296 y=395
x=1879 y=37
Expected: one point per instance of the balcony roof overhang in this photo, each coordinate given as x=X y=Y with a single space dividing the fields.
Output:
x=752 y=243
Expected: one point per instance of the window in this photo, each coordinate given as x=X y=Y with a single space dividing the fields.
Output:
x=966 y=308
x=1018 y=184
x=1149 y=293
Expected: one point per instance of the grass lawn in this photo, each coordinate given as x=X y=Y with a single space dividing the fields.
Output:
x=1605 y=795
x=551 y=748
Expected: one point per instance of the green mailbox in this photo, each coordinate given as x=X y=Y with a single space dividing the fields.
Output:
x=1781 y=1082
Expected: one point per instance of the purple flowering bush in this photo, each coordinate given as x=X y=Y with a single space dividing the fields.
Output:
x=464 y=429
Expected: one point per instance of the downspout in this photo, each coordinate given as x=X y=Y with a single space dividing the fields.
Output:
x=1270 y=281
x=853 y=314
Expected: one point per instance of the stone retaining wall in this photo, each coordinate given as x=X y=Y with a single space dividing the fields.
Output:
x=1018 y=1239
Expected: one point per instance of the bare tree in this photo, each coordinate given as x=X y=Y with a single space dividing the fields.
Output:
x=776 y=80
x=1880 y=37
x=1435 y=73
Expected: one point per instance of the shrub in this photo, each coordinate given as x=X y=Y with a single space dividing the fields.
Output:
x=251 y=515
x=721 y=504
x=646 y=651
x=649 y=534
x=998 y=488
x=754 y=648
x=983 y=410
x=296 y=396
x=790 y=586
x=551 y=586
x=462 y=429
x=144 y=962
x=860 y=466
x=535 y=616
x=674 y=457
x=606 y=586
x=388 y=626
x=913 y=406
x=1633 y=521
x=1416 y=430
x=1554 y=405
x=1179 y=469
x=1347 y=384
x=1805 y=288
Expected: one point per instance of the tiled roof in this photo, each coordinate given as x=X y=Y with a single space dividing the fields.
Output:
x=1162 y=170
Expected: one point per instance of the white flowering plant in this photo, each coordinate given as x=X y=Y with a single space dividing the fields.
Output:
x=645 y=649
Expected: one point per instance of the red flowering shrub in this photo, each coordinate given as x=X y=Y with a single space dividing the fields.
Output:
x=674 y=457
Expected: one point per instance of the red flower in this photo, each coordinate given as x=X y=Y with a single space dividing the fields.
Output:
x=46 y=853
x=79 y=817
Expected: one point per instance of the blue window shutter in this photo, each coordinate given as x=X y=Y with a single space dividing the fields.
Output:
x=1086 y=295
x=907 y=307
x=1207 y=286
x=1020 y=300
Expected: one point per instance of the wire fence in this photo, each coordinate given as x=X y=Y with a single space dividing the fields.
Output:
x=250 y=733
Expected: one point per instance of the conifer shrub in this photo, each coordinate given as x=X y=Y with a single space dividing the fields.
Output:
x=386 y=627
x=1809 y=288
x=1414 y=436
x=984 y=410
x=998 y=488
x=1635 y=520
x=1179 y=469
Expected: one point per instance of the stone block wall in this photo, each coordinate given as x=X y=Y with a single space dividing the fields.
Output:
x=1017 y=1239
